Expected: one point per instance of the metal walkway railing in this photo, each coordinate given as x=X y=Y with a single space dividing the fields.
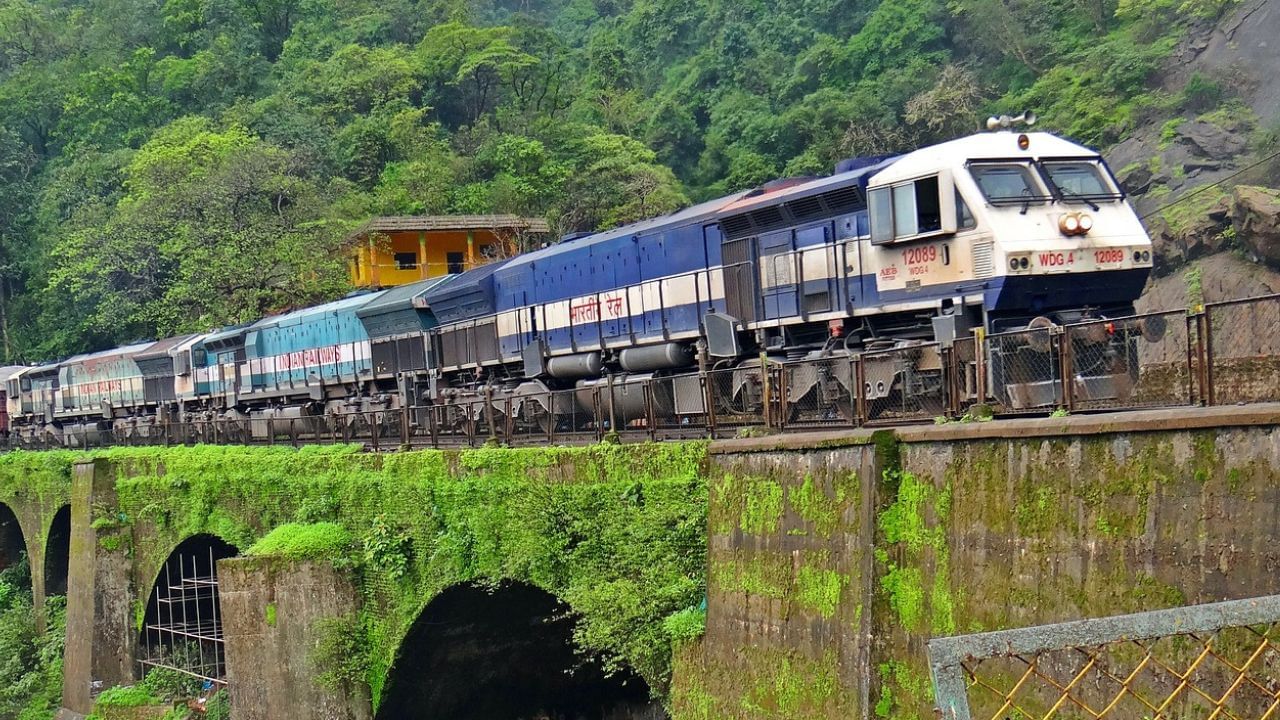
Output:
x=1219 y=660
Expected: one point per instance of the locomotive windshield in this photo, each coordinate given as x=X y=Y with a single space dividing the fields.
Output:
x=1006 y=183
x=1078 y=180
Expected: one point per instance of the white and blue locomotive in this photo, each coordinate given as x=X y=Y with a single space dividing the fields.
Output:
x=1000 y=231
x=996 y=231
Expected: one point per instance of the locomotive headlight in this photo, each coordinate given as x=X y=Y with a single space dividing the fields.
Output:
x=1075 y=223
x=1024 y=263
x=1013 y=263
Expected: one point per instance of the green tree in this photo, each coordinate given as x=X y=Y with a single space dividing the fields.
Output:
x=215 y=227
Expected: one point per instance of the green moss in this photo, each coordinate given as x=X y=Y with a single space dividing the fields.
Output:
x=44 y=475
x=819 y=589
x=762 y=575
x=905 y=589
x=815 y=506
x=271 y=614
x=763 y=509
x=914 y=555
x=888 y=451
x=298 y=541
x=904 y=520
x=901 y=688
x=799 y=688
x=1181 y=216
x=1148 y=593
x=1169 y=132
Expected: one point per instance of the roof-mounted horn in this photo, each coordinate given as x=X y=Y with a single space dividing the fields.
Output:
x=1004 y=122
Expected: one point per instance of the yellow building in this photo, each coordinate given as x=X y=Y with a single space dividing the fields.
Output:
x=389 y=251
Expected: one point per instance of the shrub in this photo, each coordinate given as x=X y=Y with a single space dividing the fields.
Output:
x=299 y=541
x=126 y=696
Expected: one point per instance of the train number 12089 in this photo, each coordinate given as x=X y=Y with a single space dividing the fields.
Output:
x=915 y=256
x=1108 y=257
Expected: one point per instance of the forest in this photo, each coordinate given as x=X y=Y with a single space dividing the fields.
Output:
x=171 y=166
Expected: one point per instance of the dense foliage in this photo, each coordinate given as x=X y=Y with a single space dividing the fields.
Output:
x=173 y=165
x=30 y=661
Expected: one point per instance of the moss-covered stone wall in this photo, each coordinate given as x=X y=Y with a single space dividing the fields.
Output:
x=928 y=537
x=788 y=587
x=35 y=485
x=1038 y=530
x=792 y=579
x=617 y=532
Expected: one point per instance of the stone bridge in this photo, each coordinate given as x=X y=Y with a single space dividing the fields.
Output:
x=772 y=577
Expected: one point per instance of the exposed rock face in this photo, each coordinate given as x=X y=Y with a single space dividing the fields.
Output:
x=1255 y=216
x=1202 y=234
x=1225 y=276
x=1238 y=52
x=1210 y=141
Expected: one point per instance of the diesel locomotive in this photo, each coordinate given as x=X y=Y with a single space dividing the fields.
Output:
x=994 y=232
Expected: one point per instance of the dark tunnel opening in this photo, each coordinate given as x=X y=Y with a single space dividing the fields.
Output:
x=57 y=553
x=182 y=628
x=477 y=653
x=12 y=545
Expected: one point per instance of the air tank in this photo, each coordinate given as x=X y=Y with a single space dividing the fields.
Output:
x=656 y=357
x=567 y=367
x=628 y=398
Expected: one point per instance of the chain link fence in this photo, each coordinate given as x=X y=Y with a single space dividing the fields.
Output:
x=1226 y=354
x=1219 y=660
x=1243 y=350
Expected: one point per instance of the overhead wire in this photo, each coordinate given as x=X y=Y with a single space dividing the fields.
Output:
x=1206 y=188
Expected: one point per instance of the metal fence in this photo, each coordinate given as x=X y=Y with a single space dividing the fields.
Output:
x=1219 y=660
x=1242 y=350
x=1223 y=353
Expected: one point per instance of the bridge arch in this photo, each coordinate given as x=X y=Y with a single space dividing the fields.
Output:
x=57 y=553
x=13 y=543
x=481 y=651
x=182 y=620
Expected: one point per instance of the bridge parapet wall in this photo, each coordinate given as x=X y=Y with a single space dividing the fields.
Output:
x=828 y=560
x=962 y=528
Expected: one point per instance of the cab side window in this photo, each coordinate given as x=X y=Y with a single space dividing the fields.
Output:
x=909 y=210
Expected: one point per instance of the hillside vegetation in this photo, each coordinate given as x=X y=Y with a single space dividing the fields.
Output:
x=175 y=165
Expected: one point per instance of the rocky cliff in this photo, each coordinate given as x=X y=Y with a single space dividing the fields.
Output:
x=1204 y=181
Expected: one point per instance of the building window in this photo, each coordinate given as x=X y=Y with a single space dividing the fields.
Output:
x=455 y=260
x=406 y=261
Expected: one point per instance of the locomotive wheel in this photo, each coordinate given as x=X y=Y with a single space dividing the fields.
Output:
x=535 y=414
x=846 y=410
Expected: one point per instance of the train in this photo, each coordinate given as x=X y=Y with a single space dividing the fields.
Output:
x=994 y=232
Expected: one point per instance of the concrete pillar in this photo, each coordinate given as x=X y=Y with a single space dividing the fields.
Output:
x=270 y=608
x=101 y=637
